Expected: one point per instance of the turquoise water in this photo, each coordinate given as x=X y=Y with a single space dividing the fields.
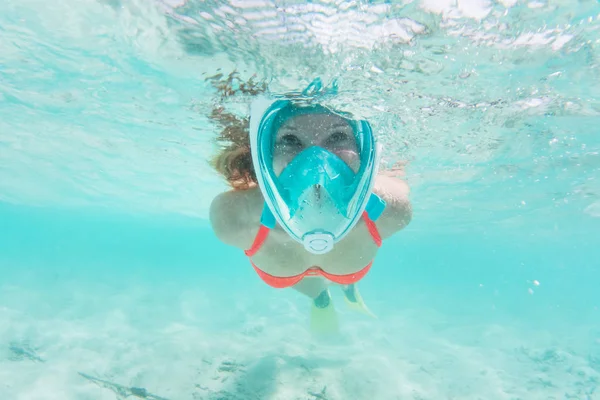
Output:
x=108 y=266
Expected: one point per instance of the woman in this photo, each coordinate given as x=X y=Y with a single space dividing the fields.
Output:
x=307 y=206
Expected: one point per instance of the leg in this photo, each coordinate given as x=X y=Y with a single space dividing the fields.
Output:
x=349 y=292
x=354 y=300
x=311 y=286
x=323 y=318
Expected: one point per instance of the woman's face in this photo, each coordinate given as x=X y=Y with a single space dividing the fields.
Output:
x=328 y=131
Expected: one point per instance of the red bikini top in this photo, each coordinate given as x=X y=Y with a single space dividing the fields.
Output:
x=373 y=211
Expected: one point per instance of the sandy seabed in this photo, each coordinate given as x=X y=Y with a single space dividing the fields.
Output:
x=94 y=340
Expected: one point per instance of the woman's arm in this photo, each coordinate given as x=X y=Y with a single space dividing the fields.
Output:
x=235 y=216
x=398 y=210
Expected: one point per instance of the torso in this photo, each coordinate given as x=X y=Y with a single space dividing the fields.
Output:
x=236 y=216
x=280 y=255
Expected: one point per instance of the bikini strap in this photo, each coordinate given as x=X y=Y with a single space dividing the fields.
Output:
x=267 y=222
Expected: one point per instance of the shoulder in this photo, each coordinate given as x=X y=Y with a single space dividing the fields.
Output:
x=398 y=211
x=235 y=216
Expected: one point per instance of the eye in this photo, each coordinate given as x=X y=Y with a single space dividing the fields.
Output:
x=337 y=137
x=289 y=140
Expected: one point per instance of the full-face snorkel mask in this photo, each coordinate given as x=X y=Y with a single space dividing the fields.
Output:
x=317 y=198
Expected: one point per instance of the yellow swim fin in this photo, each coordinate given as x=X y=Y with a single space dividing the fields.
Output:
x=355 y=301
x=323 y=317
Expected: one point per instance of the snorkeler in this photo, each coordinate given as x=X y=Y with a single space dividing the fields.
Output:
x=314 y=209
